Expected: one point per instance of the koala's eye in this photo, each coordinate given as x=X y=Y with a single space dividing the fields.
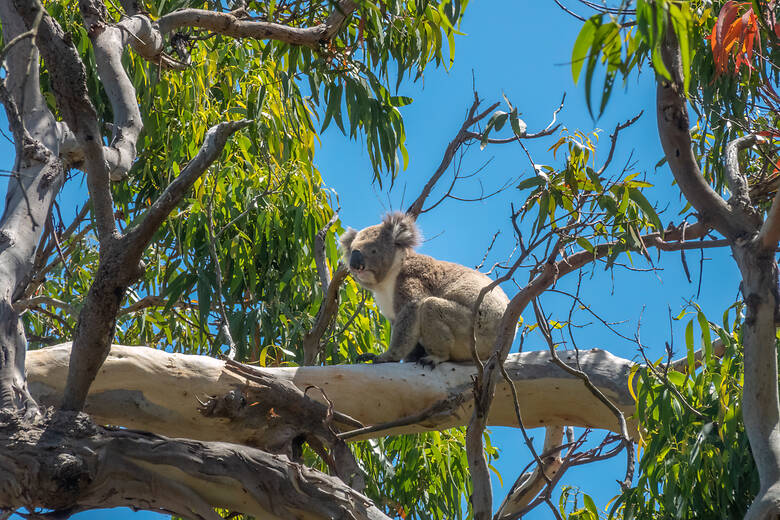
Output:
x=373 y=250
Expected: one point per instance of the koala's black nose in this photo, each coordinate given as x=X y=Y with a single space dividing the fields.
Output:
x=356 y=261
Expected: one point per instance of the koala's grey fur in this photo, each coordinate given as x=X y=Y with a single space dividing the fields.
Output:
x=429 y=302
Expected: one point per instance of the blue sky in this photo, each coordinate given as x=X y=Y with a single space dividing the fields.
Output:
x=522 y=49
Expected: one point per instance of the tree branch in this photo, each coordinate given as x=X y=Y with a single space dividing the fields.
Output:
x=152 y=301
x=463 y=134
x=213 y=143
x=529 y=484
x=681 y=365
x=319 y=253
x=549 y=129
x=328 y=309
x=760 y=400
x=769 y=235
x=673 y=124
x=547 y=274
x=738 y=184
x=507 y=140
x=120 y=265
x=108 y=43
x=432 y=413
x=284 y=415
x=36 y=301
x=38 y=276
x=68 y=81
x=228 y=25
x=619 y=415
x=755 y=256
x=224 y=325
x=613 y=140
x=153 y=390
x=75 y=460
x=39 y=174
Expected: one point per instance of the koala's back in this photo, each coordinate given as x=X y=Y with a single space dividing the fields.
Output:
x=422 y=276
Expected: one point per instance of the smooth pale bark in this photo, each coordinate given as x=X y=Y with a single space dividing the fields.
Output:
x=754 y=250
x=533 y=482
x=153 y=390
x=760 y=400
x=229 y=25
x=38 y=175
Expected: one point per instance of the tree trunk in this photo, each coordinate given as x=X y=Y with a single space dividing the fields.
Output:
x=760 y=401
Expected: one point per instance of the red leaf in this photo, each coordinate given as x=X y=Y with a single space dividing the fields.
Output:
x=734 y=34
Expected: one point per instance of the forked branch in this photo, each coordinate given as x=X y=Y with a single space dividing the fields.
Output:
x=120 y=266
x=462 y=136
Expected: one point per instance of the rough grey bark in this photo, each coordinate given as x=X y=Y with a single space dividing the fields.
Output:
x=68 y=464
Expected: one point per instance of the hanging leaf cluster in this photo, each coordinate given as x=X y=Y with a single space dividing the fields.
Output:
x=695 y=459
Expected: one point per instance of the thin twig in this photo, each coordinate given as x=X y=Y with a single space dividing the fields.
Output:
x=444 y=407
x=224 y=326
x=545 y=330
x=668 y=384
x=516 y=402
x=614 y=137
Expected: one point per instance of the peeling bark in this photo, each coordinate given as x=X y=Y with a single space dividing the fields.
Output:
x=70 y=465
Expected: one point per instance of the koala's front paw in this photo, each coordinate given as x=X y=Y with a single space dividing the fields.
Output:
x=368 y=356
x=430 y=361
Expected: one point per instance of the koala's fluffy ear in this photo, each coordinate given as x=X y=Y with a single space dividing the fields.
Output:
x=345 y=240
x=404 y=229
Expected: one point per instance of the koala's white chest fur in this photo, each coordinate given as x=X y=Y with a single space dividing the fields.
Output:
x=384 y=292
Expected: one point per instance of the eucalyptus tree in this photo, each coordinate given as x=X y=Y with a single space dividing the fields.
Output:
x=207 y=231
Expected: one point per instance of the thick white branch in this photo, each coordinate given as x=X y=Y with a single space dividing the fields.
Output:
x=148 y=389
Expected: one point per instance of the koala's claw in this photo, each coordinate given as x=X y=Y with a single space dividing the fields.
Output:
x=368 y=356
x=428 y=361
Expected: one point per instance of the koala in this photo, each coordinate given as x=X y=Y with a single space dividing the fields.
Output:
x=429 y=302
